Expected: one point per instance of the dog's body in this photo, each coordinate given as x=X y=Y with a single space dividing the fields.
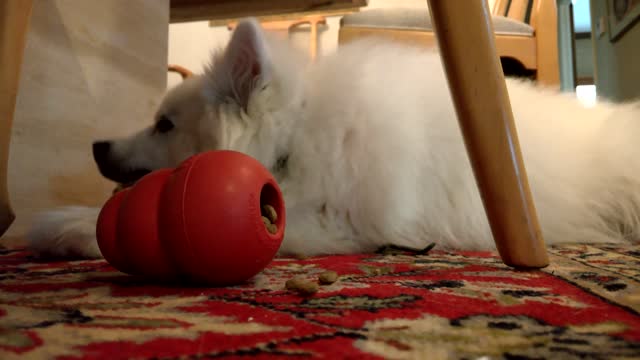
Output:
x=367 y=150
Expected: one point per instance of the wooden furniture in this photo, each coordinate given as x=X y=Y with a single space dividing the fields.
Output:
x=525 y=31
x=484 y=112
x=184 y=72
x=228 y=10
x=14 y=23
x=286 y=26
x=480 y=98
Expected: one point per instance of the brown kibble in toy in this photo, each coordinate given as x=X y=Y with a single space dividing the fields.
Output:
x=270 y=213
x=301 y=286
x=269 y=218
x=272 y=228
x=328 y=277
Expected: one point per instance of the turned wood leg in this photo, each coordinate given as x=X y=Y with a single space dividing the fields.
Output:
x=14 y=24
x=467 y=47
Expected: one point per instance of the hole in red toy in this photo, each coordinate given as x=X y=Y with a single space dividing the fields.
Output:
x=271 y=207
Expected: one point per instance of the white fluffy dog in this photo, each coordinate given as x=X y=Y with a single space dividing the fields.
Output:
x=367 y=149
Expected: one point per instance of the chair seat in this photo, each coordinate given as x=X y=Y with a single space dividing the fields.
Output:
x=419 y=19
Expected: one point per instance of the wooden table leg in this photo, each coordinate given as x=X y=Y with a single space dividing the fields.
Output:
x=467 y=47
x=14 y=24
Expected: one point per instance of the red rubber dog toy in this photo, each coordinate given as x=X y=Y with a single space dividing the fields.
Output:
x=201 y=221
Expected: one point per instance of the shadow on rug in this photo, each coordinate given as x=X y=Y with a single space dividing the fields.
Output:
x=442 y=305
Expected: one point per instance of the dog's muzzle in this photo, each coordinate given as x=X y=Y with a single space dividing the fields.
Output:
x=111 y=169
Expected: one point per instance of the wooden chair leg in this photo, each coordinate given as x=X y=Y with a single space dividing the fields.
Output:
x=14 y=24
x=546 y=25
x=484 y=112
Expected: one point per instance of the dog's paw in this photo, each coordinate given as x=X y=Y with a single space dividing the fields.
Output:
x=68 y=232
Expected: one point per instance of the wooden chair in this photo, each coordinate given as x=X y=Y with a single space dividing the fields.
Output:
x=286 y=26
x=480 y=98
x=486 y=120
x=526 y=33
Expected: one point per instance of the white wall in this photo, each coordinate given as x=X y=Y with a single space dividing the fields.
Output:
x=190 y=44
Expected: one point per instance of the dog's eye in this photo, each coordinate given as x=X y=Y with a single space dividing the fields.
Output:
x=164 y=125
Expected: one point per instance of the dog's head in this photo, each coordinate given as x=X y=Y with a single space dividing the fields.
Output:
x=246 y=100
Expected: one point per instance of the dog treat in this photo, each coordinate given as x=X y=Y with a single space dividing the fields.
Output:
x=270 y=213
x=328 y=277
x=301 y=286
x=272 y=228
x=269 y=217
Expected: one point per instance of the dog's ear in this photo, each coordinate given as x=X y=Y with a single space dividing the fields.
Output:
x=243 y=66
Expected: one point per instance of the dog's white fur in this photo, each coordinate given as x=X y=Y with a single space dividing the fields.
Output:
x=374 y=150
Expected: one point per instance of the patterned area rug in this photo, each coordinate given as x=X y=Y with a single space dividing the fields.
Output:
x=442 y=305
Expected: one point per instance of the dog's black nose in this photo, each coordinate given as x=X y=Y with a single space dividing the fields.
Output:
x=101 y=150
